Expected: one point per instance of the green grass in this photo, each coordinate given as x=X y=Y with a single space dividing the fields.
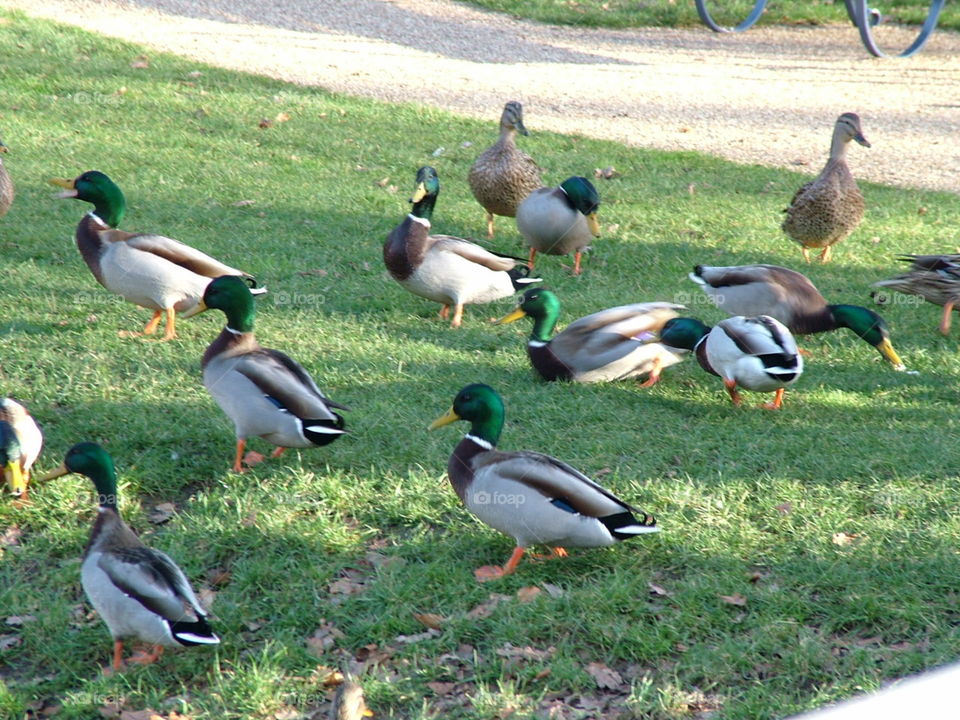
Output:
x=858 y=449
x=672 y=13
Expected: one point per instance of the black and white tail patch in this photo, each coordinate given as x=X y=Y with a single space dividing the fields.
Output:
x=625 y=525
x=323 y=432
x=193 y=633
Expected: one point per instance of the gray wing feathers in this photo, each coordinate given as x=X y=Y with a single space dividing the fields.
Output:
x=182 y=255
x=154 y=580
x=280 y=377
x=472 y=252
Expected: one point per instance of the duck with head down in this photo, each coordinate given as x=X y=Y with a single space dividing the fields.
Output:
x=20 y=445
x=151 y=271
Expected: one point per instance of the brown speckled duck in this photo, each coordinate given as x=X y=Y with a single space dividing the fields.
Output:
x=935 y=278
x=828 y=208
x=446 y=269
x=6 y=185
x=152 y=271
x=504 y=175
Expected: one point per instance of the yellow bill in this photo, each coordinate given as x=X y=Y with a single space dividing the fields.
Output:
x=15 y=481
x=886 y=349
x=450 y=417
x=70 y=188
x=200 y=307
x=60 y=471
x=512 y=316
x=419 y=194
x=594 y=224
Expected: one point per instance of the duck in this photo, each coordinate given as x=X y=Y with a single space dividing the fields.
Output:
x=935 y=278
x=446 y=269
x=605 y=346
x=827 y=209
x=560 y=220
x=534 y=498
x=265 y=392
x=790 y=297
x=348 y=701
x=6 y=184
x=140 y=593
x=756 y=353
x=20 y=445
x=503 y=175
x=152 y=271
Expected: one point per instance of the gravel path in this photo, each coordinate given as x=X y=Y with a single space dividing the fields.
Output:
x=768 y=96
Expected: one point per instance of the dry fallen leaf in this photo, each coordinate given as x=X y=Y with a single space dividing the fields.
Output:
x=528 y=594
x=265 y=123
x=9 y=641
x=657 y=590
x=218 y=576
x=345 y=586
x=842 y=538
x=383 y=182
x=784 y=508
x=281 y=117
x=161 y=513
x=735 y=599
x=323 y=637
x=607 y=678
x=11 y=536
x=485 y=609
x=243 y=203
x=441 y=688
x=430 y=620
x=140 y=62
x=18 y=620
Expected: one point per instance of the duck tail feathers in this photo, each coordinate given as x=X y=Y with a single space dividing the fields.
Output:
x=520 y=277
x=625 y=525
x=194 y=633
x=324 y=432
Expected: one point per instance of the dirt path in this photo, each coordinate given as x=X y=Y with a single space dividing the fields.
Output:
x=768 y=96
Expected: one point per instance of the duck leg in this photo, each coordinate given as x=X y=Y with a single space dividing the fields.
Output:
x=149 y=329
x=170 y=332
x=492 y=572
x=457 y=315
x=533 y=254
x=806 y=253
x=489 y=225
x=825 y=254
x=776 y=403
x=576 y=262
x=117 y=664
x=731 y=386
x=278 y=452
x=238 y=458
x=142 y=657
x=654 y=374
x=444 y=312
x=946 y=319
x=555 y=552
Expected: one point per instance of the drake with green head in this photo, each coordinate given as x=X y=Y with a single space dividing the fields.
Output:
x=755 y=353
x=791 y=298
x=560 y=220
x=20 y=445
x=446 y=269
x=139 y=592
x=6 y=185
x=605 y=346
x=265 y=392
x=151 y=271
x=503 y=175
x=532 y=497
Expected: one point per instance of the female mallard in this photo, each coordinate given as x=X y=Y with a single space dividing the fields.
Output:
x=534 y=498
x=756 y=353
x=560 y=220
x=151 y=271
x=607 y=345
x=265 y=392
x=935 y=278
x=791 y=298
x=446 y=269
x=20 y=444
x=829 y=207
x=6 y=185
x=504 y=175
x=139 y=592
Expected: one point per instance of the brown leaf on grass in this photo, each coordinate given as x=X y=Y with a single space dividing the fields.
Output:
x=607 y=678
x=441 y=688
x=657 y=590
x=542 y=674
x=372 y=654
x=18 y=620
x=161 y=513
x=9 y=641
x=525 y=653
x=735 y=599
x=346 y=586
x=409 y=639
x=264 y=123
x=383 y=182
x=866 y=642
x=319 y=272
x=430 y=620
x=784 y=508
x=528 y=594
x=323 y=637
x=755 y=577
x=607 y=173
x=140 y=62
x=11 y=536
x=218 y=576
x=842 y=538
x=485 y=609
x=381 y=561
x=281 y=117
x=243 y=203
x=250 y=520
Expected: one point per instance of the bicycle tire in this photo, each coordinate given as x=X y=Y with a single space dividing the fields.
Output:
x=862 y=20
x=758 y=8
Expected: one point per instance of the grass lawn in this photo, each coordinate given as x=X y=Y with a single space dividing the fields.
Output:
x=806 y=555
x=669 y=13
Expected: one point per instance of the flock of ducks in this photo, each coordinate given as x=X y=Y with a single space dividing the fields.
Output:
x=142 y=595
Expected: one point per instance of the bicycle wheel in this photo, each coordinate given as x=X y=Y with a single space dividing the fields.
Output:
x=866 y=20
x=728 y=11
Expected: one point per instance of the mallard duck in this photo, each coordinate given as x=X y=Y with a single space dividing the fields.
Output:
x=607 y=345
x=20 y=444
x=265 y=392
x=139 y=592
x=534 y=498
x=446 y=269
x=935 y=278
x=151 y=271
x=829 y=207
x=560 y=220
x=504 y=175
x=757 y=353
x=348 y=701
x=6 y=185
x=791 y=298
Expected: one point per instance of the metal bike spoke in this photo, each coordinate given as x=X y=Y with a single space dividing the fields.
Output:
x=865 y=19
